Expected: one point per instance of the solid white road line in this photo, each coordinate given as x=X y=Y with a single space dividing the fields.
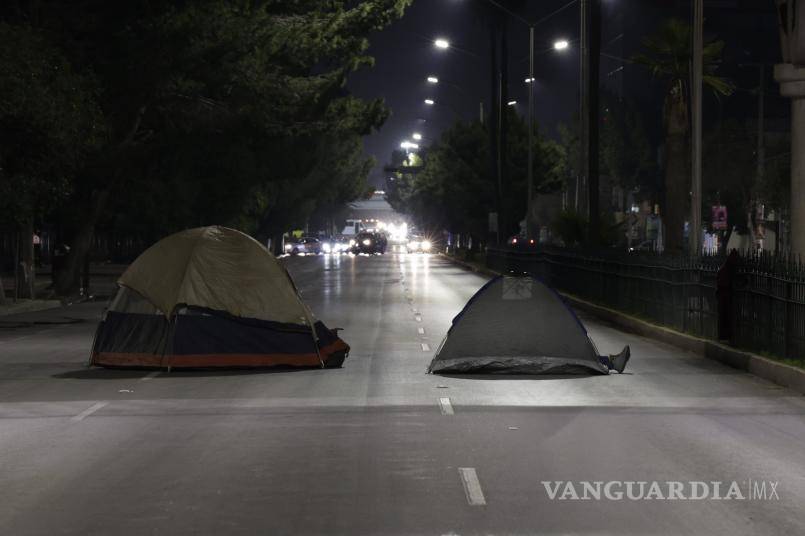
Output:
x=445 y=406
x=89 y=411
x=472 y=487
x=425 y=347
x=150 y=376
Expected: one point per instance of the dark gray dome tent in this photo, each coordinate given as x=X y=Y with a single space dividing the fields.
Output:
x=517 y=325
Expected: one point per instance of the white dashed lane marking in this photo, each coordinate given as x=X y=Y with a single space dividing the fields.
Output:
x=472 y=486
x=89 y=411
x=150 y=376
x=421 y=331
x=425 y=347
x=445 y=406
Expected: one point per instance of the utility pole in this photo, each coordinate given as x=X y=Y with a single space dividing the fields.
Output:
x=695 y=233
x=761 y=146
x=584 y=105
x=590 y=61
x=503 y=126
x=593 y=73
x=791 y=76
x=529 y=218
x=494 y=109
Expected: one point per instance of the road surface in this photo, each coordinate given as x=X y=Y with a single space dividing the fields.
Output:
x=381 y=447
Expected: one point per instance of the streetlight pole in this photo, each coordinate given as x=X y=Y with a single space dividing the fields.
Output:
x=530 y=210
x=584 y=106
x=588 y=110
x=498 y=84
x=695 y=233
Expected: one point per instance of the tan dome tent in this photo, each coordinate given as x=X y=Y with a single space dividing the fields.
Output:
x=211 y=297
x=519 y=325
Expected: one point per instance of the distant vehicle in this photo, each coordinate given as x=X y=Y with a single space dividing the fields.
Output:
x=521 y=242
x=352 y=228
x=334 y=245
x=366 y=242
x=306 y=244
x=418 y=244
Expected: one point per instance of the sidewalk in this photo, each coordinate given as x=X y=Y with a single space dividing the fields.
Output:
x=27 y=306
x=102 y=283
x=87 y=311
x=769 y=369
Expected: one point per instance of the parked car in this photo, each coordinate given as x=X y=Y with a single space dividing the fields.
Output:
x=306 y=244
x=366 y=242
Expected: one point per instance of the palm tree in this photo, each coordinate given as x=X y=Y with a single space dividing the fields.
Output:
x=668 y=56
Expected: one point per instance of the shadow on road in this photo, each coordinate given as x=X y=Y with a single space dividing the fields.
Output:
x=98 y=373
x=504 y=376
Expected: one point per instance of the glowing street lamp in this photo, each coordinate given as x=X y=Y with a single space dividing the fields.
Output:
x=417 y=136
x=529 y=80
x=441 y=43
x=430 y=102
x=433 y=80
x=561 y=44
x=409 y=145
x=511 y=103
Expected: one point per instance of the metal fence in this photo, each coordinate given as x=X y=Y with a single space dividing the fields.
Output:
x=767 y=312
x=769 y=307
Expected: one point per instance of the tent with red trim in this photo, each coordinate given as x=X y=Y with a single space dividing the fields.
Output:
x=211 y=297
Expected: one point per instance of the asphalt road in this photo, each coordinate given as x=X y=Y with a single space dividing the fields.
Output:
x=381 y=447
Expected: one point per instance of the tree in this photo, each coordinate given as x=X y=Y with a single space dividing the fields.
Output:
x=625 y=149
x=668 y=56
x=49 y=123
x=454 y=191
x=209 y=104
x=730 y=174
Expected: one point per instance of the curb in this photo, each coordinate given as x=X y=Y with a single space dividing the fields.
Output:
x=768 y=369
x=28 y=306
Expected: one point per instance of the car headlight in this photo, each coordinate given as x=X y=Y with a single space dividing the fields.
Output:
x=327 y=248
x=351 y=242
x=367 y=242
x=288 y=247
x=426 y=244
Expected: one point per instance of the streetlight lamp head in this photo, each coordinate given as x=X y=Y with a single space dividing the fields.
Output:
x=529 y=80
x=441 y=43
x=417 y=136
x=430 y=102
x=511 y=103
x=561 y=44
x=433 y=80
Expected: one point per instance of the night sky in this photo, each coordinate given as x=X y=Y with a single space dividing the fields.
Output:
x=405 y=56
